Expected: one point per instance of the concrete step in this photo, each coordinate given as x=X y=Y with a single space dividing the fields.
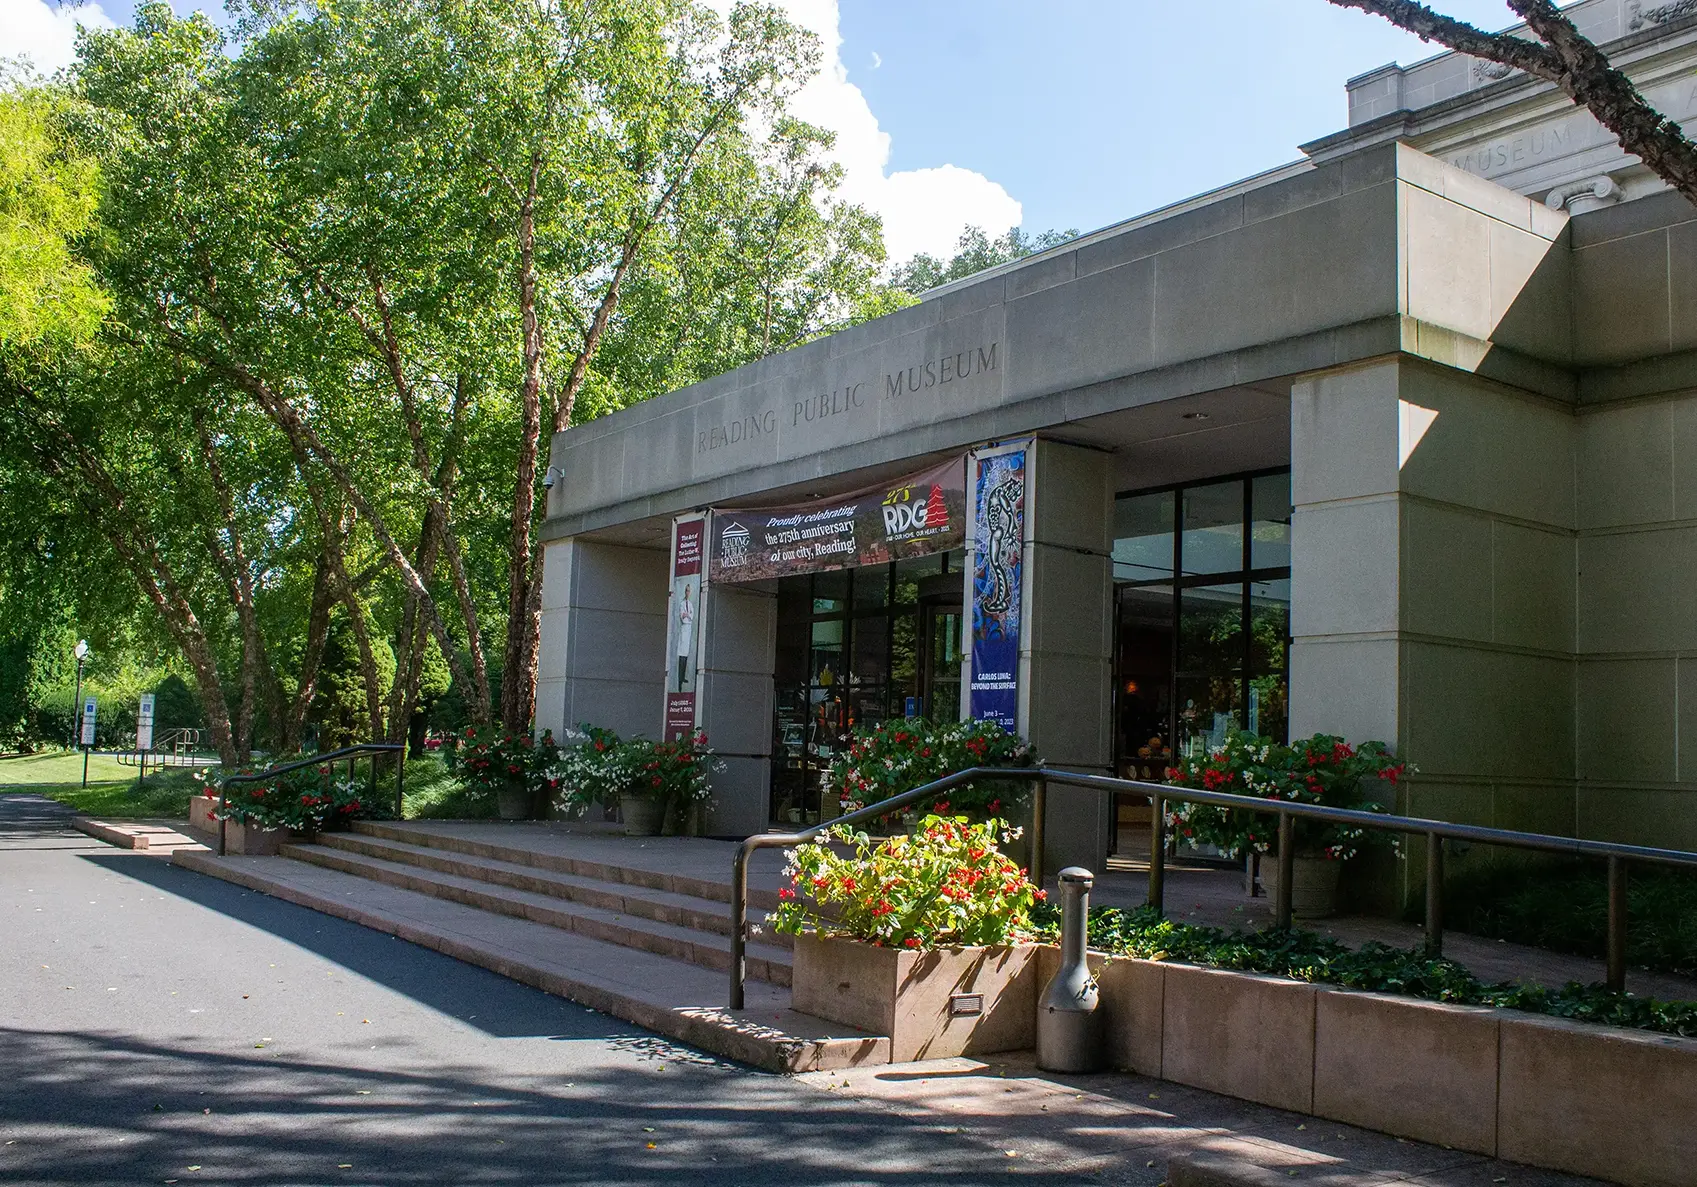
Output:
x=624 y=898
x=710 y=950
x=674 y=998
x=560 y=863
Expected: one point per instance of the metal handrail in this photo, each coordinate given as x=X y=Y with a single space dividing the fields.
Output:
x=1288 y=812
x=314 y=760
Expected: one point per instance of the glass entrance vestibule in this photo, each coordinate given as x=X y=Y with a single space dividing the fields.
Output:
x=1201 y=638
x=854 y=647
x=1202 y=624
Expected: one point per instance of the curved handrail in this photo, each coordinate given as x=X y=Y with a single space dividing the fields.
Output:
x=1435 y=831
x=315 y=760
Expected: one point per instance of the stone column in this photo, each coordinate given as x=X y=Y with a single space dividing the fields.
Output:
x=1066 y=648
x=602 y=656
x=739 y=643
x=1345 y=557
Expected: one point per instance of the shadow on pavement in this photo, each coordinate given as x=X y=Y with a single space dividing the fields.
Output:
x=503 y=1008
x=272 y=1121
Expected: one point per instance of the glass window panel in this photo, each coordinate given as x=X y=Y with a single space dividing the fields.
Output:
x=910 y=571
x=1208 y=704
x=795 y=597
x=1143 y=662
x=1143 y=537
x=1211 y=629
x=790 y=665
x=826 y=665
x=871 y=658
x=904 y=660
x=1268 y=711
x=830 y=591
x=871 y=587
x=1269 y=534
x=1213 y=528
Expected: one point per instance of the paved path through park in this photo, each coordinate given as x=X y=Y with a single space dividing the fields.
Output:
x=157 y=1026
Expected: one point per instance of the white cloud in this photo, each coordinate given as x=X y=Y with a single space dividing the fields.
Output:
x=45 y=34
x=877 y=59
x=923 y=209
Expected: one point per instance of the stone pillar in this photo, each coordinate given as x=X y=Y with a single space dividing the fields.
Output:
x=739 y=641
x=1345 y=557
x=1066 y=648
x=602 y=656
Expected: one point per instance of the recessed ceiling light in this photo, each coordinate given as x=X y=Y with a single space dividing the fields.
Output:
x=1195 y=416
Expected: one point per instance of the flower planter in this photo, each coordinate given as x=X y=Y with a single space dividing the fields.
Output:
x=513 y=803
x=641 y=815
x=946 y=1002
x=253 y=841
x=1313 y=884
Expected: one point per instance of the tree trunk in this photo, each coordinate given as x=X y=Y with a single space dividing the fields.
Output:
x=516 y=699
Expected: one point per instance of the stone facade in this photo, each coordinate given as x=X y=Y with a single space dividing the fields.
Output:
x=1484 y=401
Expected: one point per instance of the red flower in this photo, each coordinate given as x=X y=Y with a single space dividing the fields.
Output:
x=912 y=941
x=786 y=893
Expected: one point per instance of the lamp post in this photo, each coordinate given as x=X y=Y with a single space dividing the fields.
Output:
x=81 y=652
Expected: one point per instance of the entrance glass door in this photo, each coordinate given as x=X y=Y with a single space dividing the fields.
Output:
x=940 y=687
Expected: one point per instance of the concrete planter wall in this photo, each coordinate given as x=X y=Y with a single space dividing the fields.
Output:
x=201 y=808
x=917 y=997
x=238 y=837
x=1569 y=1096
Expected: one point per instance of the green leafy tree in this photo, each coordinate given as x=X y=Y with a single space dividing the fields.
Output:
x=975 y=252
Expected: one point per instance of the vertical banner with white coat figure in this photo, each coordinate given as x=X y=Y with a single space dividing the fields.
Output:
x=997 y=477
x=683 y=624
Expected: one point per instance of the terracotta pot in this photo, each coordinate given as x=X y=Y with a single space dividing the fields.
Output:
x=512 y=802
x=933 y=1005
x=641 y=815
x=1313 y=884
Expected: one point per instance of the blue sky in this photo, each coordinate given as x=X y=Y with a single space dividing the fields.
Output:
x=1064 y=113
x=1090 y=111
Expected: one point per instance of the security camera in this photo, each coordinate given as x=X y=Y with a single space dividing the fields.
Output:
x=549 y=477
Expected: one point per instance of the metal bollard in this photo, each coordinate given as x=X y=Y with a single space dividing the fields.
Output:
x=1069 y=1027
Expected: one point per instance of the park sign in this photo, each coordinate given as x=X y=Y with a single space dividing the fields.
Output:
x=915 y=515
x=144 y=723
x=88 y=708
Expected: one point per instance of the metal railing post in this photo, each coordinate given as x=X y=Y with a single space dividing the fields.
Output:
x=1287 y=869
x=1617 y=925
x=739 y=924
x=1039 y=811
x=400 y=781
x=1157 y=853
x=1434 y=894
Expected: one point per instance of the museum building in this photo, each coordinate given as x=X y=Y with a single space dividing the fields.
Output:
x=1398 y=441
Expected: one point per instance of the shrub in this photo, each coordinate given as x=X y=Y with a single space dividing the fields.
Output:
x=1323 y=769
x=947 y=885
x=1376 y=967
x=1564 y=906
x=900 y=754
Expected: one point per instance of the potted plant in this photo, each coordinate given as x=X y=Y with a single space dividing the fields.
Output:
x=1323 y=769
x=658 y=786
x=902 y=753
x=923 y=938
x=513 y=768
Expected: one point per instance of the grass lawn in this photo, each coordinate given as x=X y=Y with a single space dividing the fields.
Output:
x=61 y=766
x=111 y=790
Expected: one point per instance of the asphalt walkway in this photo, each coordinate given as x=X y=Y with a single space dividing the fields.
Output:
x=157 y=1026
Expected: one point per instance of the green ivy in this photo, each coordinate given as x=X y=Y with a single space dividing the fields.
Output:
x=1380 y=968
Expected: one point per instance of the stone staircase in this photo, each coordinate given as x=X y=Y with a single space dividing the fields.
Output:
x=650 y=945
